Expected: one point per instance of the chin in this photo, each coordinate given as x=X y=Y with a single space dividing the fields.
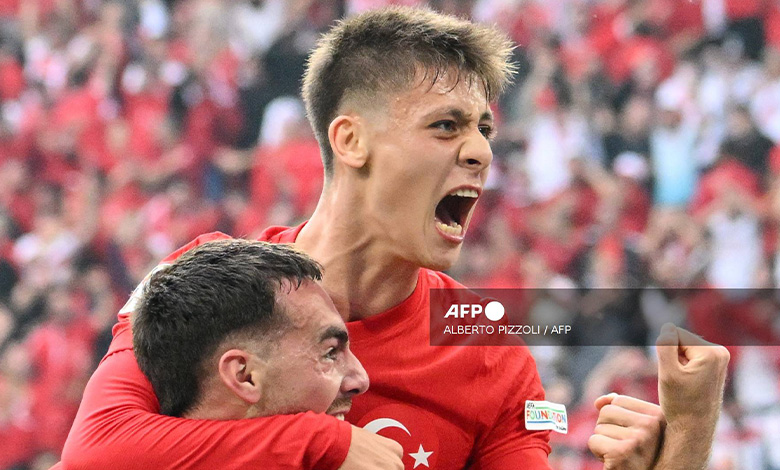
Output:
x=442 y=261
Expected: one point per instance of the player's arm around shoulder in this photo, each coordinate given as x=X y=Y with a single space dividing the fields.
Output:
x=369 y=451
x=118 y=425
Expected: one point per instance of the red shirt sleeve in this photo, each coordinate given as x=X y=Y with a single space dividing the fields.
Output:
x=117 y=427
x=508 y=444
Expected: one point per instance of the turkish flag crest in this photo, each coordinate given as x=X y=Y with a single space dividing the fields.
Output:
x=411 y=427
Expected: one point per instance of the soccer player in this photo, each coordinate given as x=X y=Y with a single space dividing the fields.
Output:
x=399 y=100
x=237 y=329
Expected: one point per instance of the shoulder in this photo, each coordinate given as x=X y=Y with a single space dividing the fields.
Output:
x=280 y=234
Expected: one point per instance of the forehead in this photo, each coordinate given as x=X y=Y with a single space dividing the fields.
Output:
x=449 y=88
x=426 y=92
x=309 y=308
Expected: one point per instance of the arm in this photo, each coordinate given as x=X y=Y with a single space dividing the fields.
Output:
x=116 y=427
x=691 y=377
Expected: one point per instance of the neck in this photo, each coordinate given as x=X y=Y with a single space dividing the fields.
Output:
x=362 y=273
x=219 y=405
x=217 y=402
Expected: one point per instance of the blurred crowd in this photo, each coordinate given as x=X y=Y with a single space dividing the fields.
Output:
x=636 y=154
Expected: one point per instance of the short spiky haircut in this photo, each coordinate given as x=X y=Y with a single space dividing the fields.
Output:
x=219 y=291
x=382 y=51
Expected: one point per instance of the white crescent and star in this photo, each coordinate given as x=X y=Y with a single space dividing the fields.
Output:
x=381 y=423
x=420 y=457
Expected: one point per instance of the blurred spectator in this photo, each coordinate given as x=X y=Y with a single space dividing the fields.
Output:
x=636 y=149
x=673 y=140
x=746 y=143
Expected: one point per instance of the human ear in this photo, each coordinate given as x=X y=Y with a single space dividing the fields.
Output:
x=348 y=138
x=242 y=373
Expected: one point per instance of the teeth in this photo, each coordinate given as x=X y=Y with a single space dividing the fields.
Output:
x=340 y=416
x=465 y=193
x=453 y=229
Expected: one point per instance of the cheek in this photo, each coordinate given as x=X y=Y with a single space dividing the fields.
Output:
x=321 y=388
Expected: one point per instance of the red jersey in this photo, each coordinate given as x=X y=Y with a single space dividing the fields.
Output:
x=118 y=424
x=449 y=407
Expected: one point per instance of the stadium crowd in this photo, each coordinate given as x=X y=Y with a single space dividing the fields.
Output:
x=637 y=148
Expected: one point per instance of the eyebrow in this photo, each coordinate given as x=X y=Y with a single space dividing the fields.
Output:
x=335 y=332
x=460 y=116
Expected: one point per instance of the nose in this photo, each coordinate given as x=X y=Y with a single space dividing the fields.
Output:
x=355 y=379
x=475 y=153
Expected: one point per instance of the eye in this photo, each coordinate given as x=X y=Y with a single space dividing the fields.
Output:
x=487 y=131
x=331 y=354
x=445 y=125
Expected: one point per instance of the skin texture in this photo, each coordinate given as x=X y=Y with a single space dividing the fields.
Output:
x=374 y=226
x=312 y=367
x=691 y=378
x=309 y=368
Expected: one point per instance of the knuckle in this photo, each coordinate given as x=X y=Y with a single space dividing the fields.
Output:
x=630 y=445
x=648 y=422
x=598 y=429
x=639 y=437
x=593 y=445
x=397 y=448
x=722 y=354
x=658 y=414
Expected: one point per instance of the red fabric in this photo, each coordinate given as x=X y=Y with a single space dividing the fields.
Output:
x=725 y=174
x=12 y=81
x=605 y=23
x=682 y=16
x=739 y=9
x=637 y=51
x=528 y=22
x=17 y=444
x=559 y=253
x=117 y=426
x=9 y=8
x=431 y=390
x=772 y=26
x=17 y=428
x=77 y=111
x=295 y=168
x=146 y=112
x=635 y=212
x=729 y=322
x=63 y=357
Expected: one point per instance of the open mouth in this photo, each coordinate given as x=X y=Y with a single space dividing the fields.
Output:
x=340 y=408
x=452 y=212
x=339 y=414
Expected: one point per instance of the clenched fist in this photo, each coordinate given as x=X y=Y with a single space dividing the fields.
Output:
x=371 y=451
x=627 y=434
x=691 y=377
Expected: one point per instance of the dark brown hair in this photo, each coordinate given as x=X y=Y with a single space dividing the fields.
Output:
x=219 y=291
x=382 y=51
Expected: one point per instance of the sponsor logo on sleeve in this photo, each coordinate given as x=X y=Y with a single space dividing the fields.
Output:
x=545 y=416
